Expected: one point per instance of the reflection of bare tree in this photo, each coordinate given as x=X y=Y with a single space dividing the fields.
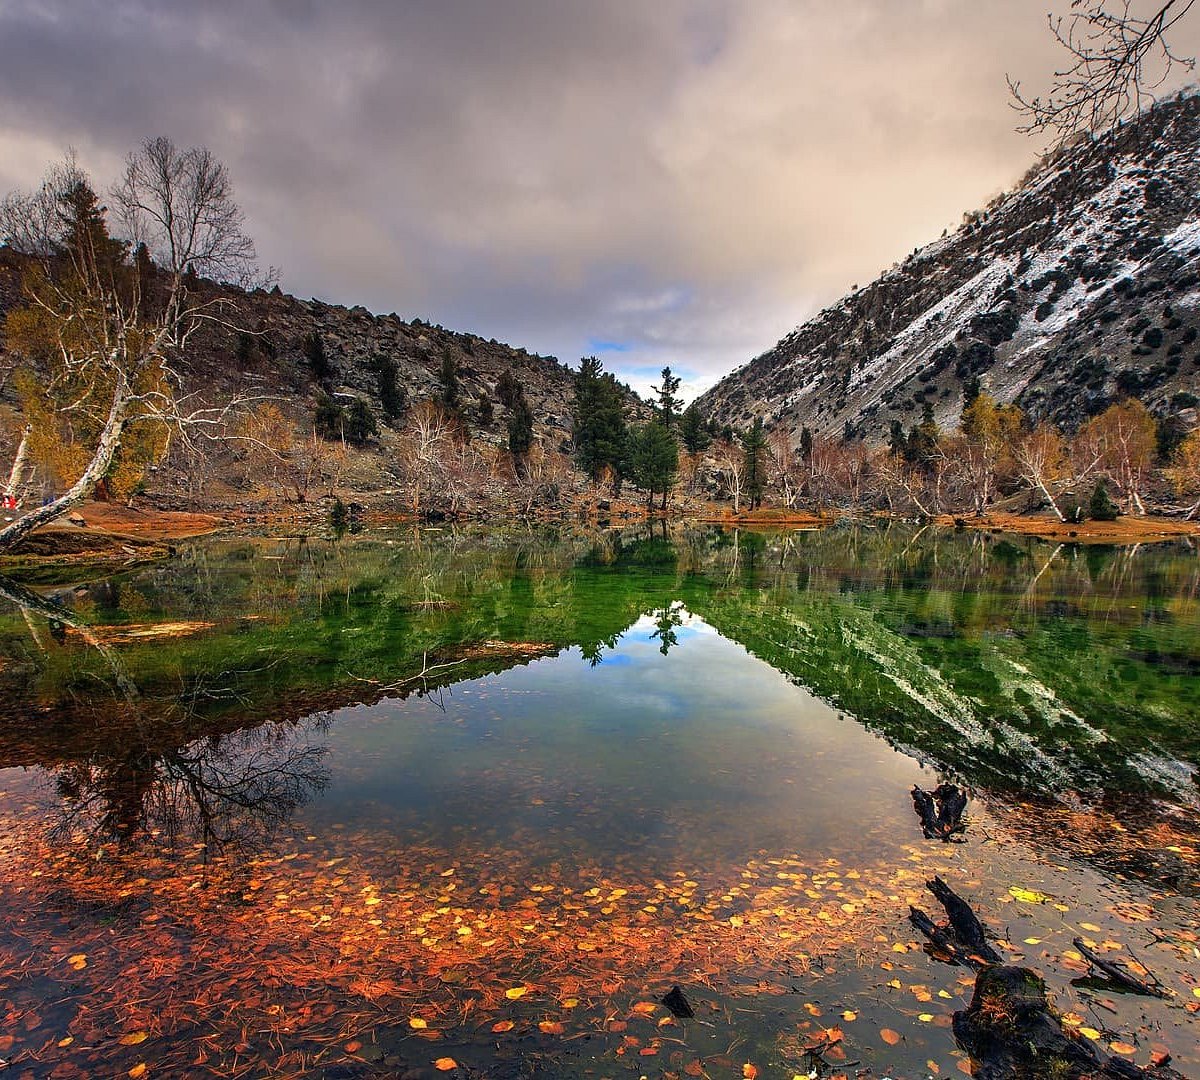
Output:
x=59 y=618
x=230 y=792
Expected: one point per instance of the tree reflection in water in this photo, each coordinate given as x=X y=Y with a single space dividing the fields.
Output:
x=230 y=791
x=233 y=793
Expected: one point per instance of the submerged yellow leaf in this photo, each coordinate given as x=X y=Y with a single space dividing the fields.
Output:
x=515 y=992
x=1030 y=896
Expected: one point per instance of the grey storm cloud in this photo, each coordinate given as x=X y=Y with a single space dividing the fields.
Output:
x=684 y=179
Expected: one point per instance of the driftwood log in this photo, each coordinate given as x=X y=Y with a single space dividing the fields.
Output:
x=1119 y=976
x=940 y=811
x=1010 y=1029
x=962 y=940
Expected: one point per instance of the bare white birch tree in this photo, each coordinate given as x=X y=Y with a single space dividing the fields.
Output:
x=109 y=332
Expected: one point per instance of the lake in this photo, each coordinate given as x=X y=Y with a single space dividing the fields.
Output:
x=460 y=802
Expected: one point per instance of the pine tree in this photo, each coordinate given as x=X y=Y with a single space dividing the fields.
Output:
x=653 y=460
x=244 y=350
x=1101 y=506
x=923 y=440
x=668 y=404
x=84 y=233
x=392 y=397
x=520 y=428
x=360 y=422
x=598 y=421
x=327 y=417
x=507 y=388
x=693 y=430
x=318 y=361
x=806 y=444
x=754 y=463
x=448 y=378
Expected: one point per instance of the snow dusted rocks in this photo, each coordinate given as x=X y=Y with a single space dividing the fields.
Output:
x=1079 y=287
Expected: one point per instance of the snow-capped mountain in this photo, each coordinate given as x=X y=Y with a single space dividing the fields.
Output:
x=1079 y=287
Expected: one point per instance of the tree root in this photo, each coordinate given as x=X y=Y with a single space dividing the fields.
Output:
x=940 y=811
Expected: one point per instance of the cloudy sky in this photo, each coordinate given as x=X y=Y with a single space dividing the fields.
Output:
x=658 y=181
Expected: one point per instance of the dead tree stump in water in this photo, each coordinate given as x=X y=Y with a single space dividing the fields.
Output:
x=963 y=940
x=940 y=811
x=1012 y=1033
x=1010 y=1030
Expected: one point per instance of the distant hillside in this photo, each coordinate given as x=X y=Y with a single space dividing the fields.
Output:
x=264 y=358
x=1079 y=287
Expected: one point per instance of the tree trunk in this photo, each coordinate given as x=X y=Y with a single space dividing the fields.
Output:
x=18 y=465
x=1050 y=499
x=106 y=448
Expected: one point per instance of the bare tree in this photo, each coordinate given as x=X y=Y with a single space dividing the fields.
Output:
x=1119 y=53
x=540 y=479
x=427 y=446
x=788 y=471
x=899 y=477
x=1118 y=444
x=1042 y=462
x=179 y=204
x=103 y=353
x=730 y=461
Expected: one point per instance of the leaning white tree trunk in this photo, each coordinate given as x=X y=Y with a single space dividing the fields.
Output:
x=1040 y=484
x=18 y=466
x=106 y=448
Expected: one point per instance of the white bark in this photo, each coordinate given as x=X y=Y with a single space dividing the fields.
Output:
x=17 y=472
x=106 y=449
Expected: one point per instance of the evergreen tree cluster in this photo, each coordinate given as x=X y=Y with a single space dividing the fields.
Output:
x=599 y=428
x=351 y=421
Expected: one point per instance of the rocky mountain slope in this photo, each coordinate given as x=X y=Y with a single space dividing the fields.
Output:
x=259 y=348
x=1079 y=287
x=259 y=353
x=354 y=338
